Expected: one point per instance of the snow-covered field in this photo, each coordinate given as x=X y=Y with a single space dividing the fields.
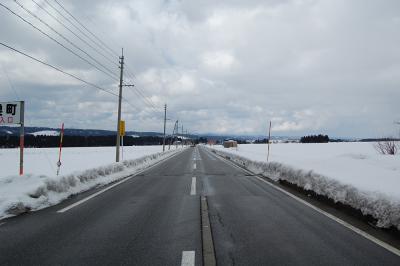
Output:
x=82 y=169
x=43 y=161
x=352 y=173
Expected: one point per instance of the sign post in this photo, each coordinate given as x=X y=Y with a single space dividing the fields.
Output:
x=12 y=113
x=122 y=134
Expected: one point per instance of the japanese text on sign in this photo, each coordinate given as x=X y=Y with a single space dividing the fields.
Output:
x=10 y=113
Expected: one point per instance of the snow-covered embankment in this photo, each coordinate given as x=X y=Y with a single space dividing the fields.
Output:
x=31 y=192
x=381 y=206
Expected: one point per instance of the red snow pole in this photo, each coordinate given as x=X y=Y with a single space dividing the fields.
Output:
x=59 y=154
x=269 y=138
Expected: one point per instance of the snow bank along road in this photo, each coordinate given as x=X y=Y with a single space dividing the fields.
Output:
x=163 y=217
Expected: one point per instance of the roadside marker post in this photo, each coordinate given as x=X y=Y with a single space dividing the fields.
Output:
x=21 y=139
x=13 y=113
x=59 y=153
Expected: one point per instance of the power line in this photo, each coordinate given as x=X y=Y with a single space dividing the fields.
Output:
x=76 y=27
x=66 y=73
x=76 y=35
x=54 y=67
x=144 y=100
x=141 y=94
x=137 y=90
x=148 y=101
x=140 y=91
x=48 y=36
x=66 y=39
x=146 y=104
x=105 y=45
x=10 y=83
x=58 y=69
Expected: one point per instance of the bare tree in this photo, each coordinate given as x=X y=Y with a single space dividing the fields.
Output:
x=387 y=147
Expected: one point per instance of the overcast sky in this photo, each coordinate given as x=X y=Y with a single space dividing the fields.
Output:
x=224 y=67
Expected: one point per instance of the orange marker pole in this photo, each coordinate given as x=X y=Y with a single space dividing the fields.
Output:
x=269 y=139
x=22 y=139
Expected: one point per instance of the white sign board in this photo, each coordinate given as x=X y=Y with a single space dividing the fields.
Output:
x=10 y=113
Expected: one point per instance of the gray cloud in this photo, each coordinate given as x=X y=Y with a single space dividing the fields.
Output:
x=228 y=66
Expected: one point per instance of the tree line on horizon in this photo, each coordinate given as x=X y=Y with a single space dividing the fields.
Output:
x=315 y=139
x=40 y=141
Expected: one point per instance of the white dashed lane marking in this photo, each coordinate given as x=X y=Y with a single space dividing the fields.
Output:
x=193 y=187
x=188 y=258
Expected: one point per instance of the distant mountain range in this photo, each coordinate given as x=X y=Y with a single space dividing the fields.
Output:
x=6 y=130
x=47 y=131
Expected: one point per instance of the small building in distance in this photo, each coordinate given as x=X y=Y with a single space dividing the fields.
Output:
x=211 y=142
x=230 y=144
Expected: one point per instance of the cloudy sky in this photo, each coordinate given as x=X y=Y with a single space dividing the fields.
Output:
x=224 y=67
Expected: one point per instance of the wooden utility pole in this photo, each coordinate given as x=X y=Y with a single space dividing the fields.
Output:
x=269 y=139
x=121 y=81
x=165 y=123
x=182 y=135
x=119 y=105
x=173 y=134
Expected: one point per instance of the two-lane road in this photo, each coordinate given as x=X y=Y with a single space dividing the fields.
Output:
x=155 y=219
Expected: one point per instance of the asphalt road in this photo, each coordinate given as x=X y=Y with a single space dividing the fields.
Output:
x=155 y=219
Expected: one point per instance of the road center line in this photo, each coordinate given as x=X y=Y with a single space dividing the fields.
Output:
x=194 y=166
x=207 y=239
x=188 y=258
x=193 y=187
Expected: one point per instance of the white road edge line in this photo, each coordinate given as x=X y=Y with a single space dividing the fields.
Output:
x=2 y=223
x=188 y=258
x=193 y=187
x=336 y=219
x=113 y=185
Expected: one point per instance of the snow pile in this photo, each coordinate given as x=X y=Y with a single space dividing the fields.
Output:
x=46 y=133
x=31 y=192
x=383 y=207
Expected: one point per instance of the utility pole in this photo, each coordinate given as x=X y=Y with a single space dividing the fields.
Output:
x=173 y=134
x=177 y=133
x=121 y=81
x=182 y=135
x=165 y=122
x=269 y=138
x=119 y=105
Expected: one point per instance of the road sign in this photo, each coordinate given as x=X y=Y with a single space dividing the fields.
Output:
x=122 y=128
x=11 y=113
